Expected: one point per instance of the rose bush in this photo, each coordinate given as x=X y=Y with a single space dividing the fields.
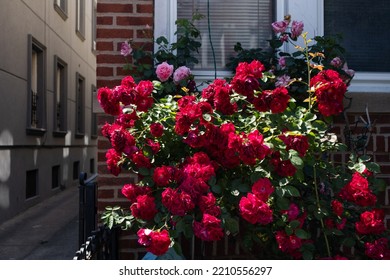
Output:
x=244 y=158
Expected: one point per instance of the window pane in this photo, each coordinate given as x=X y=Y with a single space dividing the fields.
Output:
x=364 y=26
x=231 y=21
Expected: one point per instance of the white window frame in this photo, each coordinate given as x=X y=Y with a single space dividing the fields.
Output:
x=309 y=11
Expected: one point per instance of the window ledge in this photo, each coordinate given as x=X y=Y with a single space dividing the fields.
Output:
x=79 y=135
x=59 y=133
x=61 y=12
x=370 y=82
x=35 y=131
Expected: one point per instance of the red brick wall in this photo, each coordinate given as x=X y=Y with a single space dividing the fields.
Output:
x=117 y=21
x=120 y=20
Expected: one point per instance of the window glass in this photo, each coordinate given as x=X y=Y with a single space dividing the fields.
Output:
x=364 y=27
x=231 y=21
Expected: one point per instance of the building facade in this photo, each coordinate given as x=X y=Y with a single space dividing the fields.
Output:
x=121 y=20
x=47 y=80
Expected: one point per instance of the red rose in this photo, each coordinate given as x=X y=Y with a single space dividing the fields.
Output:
x=337 y=207
x=378 y=250
x=140 y=160
x=329 y=91
x=358 y=191
x=371 y=222
x=283 y=168
x=156 y=129
x=156 y=242
x=292 y=212
x=288 y=243
x=131 y=191
x=108 y=102
x=121 y=139
x=299 y=143
x=144 y=208
x=277 y=99
x=144 y=88
x=113 y=159
x=263 y=188
x=209 y=229
x=178 y=203
x=207 y=204
x=163 y=175
x=254 y=210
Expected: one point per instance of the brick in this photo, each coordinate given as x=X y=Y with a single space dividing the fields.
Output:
x=381 y=143
x=134 y=21
x=144 y=34
x=104 y=144
x=114 y=8
x=108 y=83
x=122 y=72
x=110 y=59
x=114 y=33
x=104 y=71
x=145 y=8
x=104 y=20
x=104 y=46
x=105 y=194
x=384 y=129
x=117 y=181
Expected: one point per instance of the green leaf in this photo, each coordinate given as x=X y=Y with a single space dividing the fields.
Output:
x=283 y=182
x=373 y=167
x=216 y=189
x=232 y=225
x=292 y=191
x=283 y=203
x=301 y=233
x=294 y=224
x=144 y=171
x=307 y=255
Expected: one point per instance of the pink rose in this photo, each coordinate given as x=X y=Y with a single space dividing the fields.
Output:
x=164 y=71
x=296 y=29
x=279 y=26
x=126 y=49
x=181 y=73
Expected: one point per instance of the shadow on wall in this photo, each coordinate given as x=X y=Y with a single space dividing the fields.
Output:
x=6 y=139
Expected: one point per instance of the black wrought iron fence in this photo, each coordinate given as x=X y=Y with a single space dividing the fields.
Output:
x=95 y=243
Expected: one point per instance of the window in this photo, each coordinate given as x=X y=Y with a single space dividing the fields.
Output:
x=230 y=21
x=320 y=17
x=94 y=124
x=80 y=96
x=76 y=170
x=361 y=24
x=31 y=183
x=60 y=97
x=55 y=176
x=92 y=165
x=36 y=88
x=80 y=19
x=94 y=16
x=61 y=6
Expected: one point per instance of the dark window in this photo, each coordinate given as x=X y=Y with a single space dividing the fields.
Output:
x=92 y=165
x=94 y=124
x=36 y=88
x=31 y=183
x=55 y=176
x=76 y=170
x=60 y=97
x=363 y=25
x=80 y=97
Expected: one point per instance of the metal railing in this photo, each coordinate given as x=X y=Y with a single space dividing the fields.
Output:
x=95 y=243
